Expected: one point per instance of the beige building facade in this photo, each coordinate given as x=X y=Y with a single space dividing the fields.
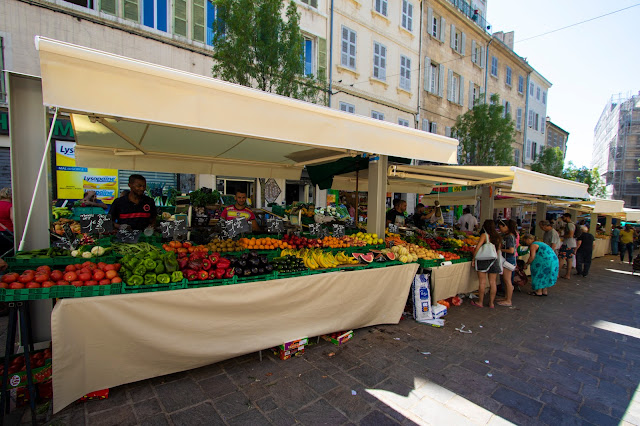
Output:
x=556 y=137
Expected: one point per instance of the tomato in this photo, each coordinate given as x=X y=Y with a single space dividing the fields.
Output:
x=16 y=285
x=116 y=280
x=62 y=282
x=56 y=275
x=29 y=271
x=11 y=277
x=77 y=283
x=33 y=284
x=48 y=284
x=91 y=282
x=98 y=275
x=44 y=268
x=109 y=268
x=4 y=285
x=105 y=282
x=78 y=266
x=25 y=278
x=70 y=268
x=70 y=276
x=87 y=264
x=101 y=265
x=117 y=266
x=40 y=278
x=111 y=274
x=84 y=271
x=84 y=276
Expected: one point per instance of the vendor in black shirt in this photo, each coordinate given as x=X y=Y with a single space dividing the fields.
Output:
x=134 y=208
x=396 y=214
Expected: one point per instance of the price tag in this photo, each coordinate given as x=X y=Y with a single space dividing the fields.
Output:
x=174 y=230
x=127 y=235
x=95 y=223
x=338 y=231
x=200 y=220
x=233 y=228
x=315 y=229
x=297 y=232
x=393 y=228
x=409 y=233
x=350 y=223
x=275 y=225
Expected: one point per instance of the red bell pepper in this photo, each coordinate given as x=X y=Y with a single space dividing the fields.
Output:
x=203 y=275
x=206 y=264
x=219 y=273
x=182 y=263
x=223 y=263
x=190 y=274
x=214 y=257
x=229 y=273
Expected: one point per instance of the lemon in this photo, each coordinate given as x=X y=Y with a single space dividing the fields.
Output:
x=374 y=235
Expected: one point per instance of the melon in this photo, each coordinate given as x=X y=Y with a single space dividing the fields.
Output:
x=381 y=258
x=391 y=256
x=356 y=255
x=367 y=258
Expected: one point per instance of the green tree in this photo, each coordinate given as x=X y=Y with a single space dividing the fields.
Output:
x=550 y=162
x=589 y=176
x=256 y=47
x=485 y=135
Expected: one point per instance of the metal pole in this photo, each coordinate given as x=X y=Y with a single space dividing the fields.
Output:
x=35 y=190
x=331 y=55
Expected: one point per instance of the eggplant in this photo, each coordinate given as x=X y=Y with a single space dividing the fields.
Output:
x=254 y=253
x=244 y=256
x=247 y=272
x=264 y=259
x=261 y=271
x=242 y=263
x=268 y=268
x=254 y=261
x=254 y=271
x=239 y=271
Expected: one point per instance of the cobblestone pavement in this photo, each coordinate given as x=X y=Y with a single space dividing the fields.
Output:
x=570 y=358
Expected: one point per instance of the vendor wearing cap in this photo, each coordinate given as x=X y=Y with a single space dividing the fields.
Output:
x=134 y=208
x=240 y=209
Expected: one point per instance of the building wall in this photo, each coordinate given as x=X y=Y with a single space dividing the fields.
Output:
x=556 y=137
x=536 y=116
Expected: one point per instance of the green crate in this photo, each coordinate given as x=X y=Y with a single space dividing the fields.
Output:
x=8 y=295
x=429 y=263
x=210 y=283
x=281 y=275
x=98 y=290
x=265 y=277
x=62 y=291
x=155 y=238
x=146 y=288
x=374 y=264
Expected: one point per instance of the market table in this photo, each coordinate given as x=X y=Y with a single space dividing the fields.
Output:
x=451 y=280
x=601 y=247
x=102 y=342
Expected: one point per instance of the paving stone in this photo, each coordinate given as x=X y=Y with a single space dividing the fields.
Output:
x=168 y=378
x=597 y=417
x=179 y=394
x=157 y=420
x=117 y=397
x=147 y=408
x=475 y=366
x=517 y=401
x=469 y=409
x=320 y=413
x=232 y=405
x=352 y=406
x=119 y=416
x=217 y=386
x=368 y=375
x=559 y=402
x=511 y=382
x=281 y=417
x=206 y=372
x=201 y=414
x=141 y=392
x=291 y=393
x=253 y=417
x=433 y=412
x=377 y=418
x=318 y=381
x=266 y=404
x=516 y=417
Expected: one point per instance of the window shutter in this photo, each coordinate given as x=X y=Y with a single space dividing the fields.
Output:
x=434 y=127
x=464 y=42
x=132 y=10
x=449 y=83
x=470 y=94
x=504 y=108
x=179 y=17
x=430 y=20
x=198 y=19
x=482 y=57
x=109 y=6
x=474 y=58
x=461 y=91
x=480 y=93
x=441 y=80
x=322 y=59
x=427 y=73
x=447 y=132
x=443 y=29
x=425 y=125
x=453 y=36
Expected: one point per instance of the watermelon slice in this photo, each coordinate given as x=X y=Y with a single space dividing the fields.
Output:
x=367 y=258
x=357 y=255
x=391 y=256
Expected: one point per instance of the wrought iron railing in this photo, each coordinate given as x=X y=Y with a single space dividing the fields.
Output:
x=468 y=10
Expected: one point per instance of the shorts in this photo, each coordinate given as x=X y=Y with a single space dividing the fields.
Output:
x=493 y=266
x=566 y=252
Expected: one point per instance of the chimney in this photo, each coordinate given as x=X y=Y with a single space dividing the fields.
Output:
x=499 y=35
x=509 y=39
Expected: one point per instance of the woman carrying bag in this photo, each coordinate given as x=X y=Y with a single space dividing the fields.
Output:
x=487 y=259
x=509 y=243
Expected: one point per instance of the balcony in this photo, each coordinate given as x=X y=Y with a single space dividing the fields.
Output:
x=468 y=10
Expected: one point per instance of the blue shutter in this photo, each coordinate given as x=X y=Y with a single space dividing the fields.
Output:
x=153 y=178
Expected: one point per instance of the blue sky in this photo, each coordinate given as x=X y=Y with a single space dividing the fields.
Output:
x=586 y=64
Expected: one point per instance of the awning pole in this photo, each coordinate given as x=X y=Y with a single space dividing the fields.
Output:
x=35 y=190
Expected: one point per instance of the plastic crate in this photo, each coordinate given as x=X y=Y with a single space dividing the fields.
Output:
x=8 y=295
x=155 y=238
x=210 y=283
x=374 y=264
x=430 y=263
x=281 y=275
x=265 y=277
x=148 y=288
x=63 y=291
x=98 y=290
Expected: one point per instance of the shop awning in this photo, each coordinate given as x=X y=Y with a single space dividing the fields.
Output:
x=631 y=215
x=129 y=114
x=512 y=181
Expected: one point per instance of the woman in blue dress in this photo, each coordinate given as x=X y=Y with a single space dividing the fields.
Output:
x=544 y=265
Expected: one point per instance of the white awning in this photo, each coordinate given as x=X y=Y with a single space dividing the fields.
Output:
x=512 y=180
x=129 y=114
x=631 y=215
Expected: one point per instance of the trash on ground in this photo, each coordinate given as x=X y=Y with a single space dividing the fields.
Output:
x=462 y=330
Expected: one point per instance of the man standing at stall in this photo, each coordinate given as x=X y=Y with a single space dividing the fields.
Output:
x=467 y=221
x=551 y=236
x=568 y=248
x=134 y=208
x=396 y=214
x=240 y=209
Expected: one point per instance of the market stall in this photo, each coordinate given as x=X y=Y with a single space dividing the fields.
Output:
x=601 y=246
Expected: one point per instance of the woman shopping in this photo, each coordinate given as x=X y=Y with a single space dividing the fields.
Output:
x=544 y=265
x=509 y=231
x=488 y=261
x=627 y=235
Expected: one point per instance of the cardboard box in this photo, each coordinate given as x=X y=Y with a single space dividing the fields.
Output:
x=286 y=354
x=294 y=344
x=101 y=394
x=439 y=311
x=342 y=338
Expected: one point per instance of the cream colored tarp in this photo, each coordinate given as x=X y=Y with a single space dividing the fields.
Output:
x=124 y=108
x=451 y=280
x=101 y=342
x=631 y=215
x=601 y=247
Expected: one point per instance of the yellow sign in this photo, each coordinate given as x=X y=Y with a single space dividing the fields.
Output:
x=73 y=181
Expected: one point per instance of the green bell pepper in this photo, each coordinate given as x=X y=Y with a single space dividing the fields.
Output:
x=140 y=270
x=176 y=277
x=150 y=279
x=164 y=279
x=170 y=262
x=133 y=262
x=150 y=264
x=135 y=280
x=153 y=255
x=159 y=267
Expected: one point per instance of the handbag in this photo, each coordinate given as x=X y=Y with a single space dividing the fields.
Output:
x=487 y=251
x=508 y=265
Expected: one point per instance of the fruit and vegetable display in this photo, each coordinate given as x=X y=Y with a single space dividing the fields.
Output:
x=78 y=275
x=250 y=264
x=318 y=259
x=199 y=265
x=58 y=226
x=43 y=253
x=149 y=267
x=289 y=263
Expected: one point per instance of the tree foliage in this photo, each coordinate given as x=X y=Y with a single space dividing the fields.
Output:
x=486 y=135
x=589 y=176
x=550 y=162
x=256 y=47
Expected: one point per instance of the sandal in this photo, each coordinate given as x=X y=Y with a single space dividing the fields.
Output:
x=477 y=305
x=502 y=303
x=533 y=293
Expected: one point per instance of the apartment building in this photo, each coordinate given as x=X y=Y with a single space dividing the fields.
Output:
x=376 y=59
x=616 y=148
x=507 y=75
x=556 y=137
x=535 y=138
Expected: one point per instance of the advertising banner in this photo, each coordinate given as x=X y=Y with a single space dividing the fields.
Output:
x=73 y=181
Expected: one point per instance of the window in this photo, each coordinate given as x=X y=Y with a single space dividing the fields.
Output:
x=348 y=50
x=544 y=98
x=3 y=95
x=350 y=108
x=475 y=94
x=425 y=125
x=434 y=28
x=403 y=122
x=520 y=84
x=538 y=93
x=405 y=73
x=494 y=66
x=453 y=92
x=435 y=25
x=531 y=89
x=433 y=78
x=476 y=53
x=83 y=3
x=516 y=155
x=542 y=124
x=519 y=119
x=379 y=61
x=377 y=115
x=530 y=119
x=407 y=15
x=536 y=120
x=312 y=3
x=381 y=7
x=211 y=21
x=507 y=109
x=434 y=127
x=534 y=151
x=447 y=132
x=527 y=150
x=508 y=80
x=154 y=14
x=307 y=56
